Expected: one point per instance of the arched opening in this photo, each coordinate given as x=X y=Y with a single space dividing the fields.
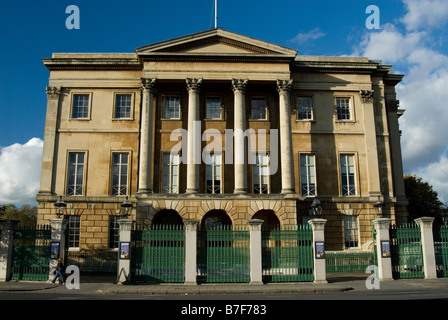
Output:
x=270 y=220
x=215 y=218
x=167 y=217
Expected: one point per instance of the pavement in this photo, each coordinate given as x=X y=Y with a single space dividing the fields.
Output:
x=334 y=284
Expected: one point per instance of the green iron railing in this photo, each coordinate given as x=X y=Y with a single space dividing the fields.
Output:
x=348 y=262
x=158 y=254
x=223 y=254
x=406 y=251
x=441 y=249
x=31 y=253
x=287 y=254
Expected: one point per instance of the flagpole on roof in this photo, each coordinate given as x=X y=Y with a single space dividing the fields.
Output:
x=216 y=14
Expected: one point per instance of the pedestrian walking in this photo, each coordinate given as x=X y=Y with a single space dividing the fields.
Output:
x=59 y=272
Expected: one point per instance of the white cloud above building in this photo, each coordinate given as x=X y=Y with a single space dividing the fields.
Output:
x=413 y=46
x=20 y=166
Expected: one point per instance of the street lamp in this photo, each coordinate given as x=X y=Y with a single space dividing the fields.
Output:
x=126 y=206
x=379 y=205
x=316 y=208
x=60 y=204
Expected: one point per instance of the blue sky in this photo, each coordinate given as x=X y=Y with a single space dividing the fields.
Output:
x=412 y=37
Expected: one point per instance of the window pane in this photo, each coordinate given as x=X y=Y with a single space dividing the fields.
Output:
x=304 y=108
x=258 y=108
x=123 y=106
x=213 y=108
x=80 y=106
x=75 y=174
x=172 y=107
x=343 y=108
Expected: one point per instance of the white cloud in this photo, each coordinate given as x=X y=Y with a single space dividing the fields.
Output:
x=437 y=175
x=20 y=166
x=302 y=38
x=425 y=14
x=422 y=93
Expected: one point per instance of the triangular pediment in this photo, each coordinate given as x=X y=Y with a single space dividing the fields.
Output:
x=215 y=41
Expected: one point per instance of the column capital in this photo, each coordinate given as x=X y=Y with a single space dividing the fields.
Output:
x=149 y=84
x=125 y=224
x=284 y=85
x=366 y=96
x=193 y=85
x=53 y=92
x=425 y=222
x=9 y=224
x=191 y=224
x=239 y=84
x=381 y=223
x=255 y=224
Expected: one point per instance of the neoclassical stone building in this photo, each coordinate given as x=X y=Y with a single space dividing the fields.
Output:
x=222 y=128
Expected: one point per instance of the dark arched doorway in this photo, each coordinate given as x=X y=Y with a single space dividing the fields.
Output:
x=270 y=220
x=167 y=217
x=215 y=218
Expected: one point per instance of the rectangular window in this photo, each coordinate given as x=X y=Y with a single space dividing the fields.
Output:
x=75 y=173
x=308 y=174
x=261 y=173
x=170 y=173
x=172 y=107
x=120 y=165
x=351 y=232
x=348 y=174
x=80 y=108
x=259 y=110
x=213 y=173
x=114 y=231
x=123 y=106
x=213 y=108
x=304 y=108
x=73 y=230
x=343 y=109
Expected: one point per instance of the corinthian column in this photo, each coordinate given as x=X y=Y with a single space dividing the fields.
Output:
x=146 y=136
x=286 y=156
x=46 y=180
x=239 y=88
x=194 y=136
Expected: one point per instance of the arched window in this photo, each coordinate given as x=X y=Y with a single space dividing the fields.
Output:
x=215 y=218
x=271 y=221
x=167 y=216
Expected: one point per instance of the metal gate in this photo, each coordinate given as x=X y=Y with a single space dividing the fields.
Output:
x=406 y=251
x=31 y=253
x=158 y=254
x=287 y=254
x=441 y=249
x=223 y=254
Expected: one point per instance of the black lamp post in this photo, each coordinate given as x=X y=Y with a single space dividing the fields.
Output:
x=60 y=204
x=126 y=206
x=316 y=208
x=379 y=205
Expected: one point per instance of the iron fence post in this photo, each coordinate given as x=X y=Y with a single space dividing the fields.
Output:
x=318 y=226
x=6 y=247
x=382 y=226
x=191 y=228
x=256 y=272
x=58 y=226
x=427 y=240
x=124 y=262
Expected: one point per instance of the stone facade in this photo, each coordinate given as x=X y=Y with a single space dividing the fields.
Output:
x=237 y=69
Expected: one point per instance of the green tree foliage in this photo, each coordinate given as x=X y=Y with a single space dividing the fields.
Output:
x=423 y=200
x=27 y=215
